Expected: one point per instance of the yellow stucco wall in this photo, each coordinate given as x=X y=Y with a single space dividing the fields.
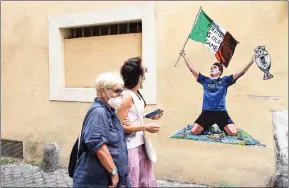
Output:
x=95 y=55
x=29 y=116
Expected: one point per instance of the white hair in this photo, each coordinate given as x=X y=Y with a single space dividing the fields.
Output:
x=108 y=80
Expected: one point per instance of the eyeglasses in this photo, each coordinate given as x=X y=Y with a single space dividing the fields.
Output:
x=116 y=91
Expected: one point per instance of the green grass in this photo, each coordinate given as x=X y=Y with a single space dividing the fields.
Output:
x=36 y=163
x=7 y=160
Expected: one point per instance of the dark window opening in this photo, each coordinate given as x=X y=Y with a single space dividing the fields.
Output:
x=86 y=31
x=122 y=28
x=102 y=30
x=114 y=30
x=77 y=33
x=12 y=148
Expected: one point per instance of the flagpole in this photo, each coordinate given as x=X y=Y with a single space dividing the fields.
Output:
x=189 y=35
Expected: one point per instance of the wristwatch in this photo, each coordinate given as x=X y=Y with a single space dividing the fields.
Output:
x=113 y=172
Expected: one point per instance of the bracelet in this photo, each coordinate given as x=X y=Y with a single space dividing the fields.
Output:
x=113 y=172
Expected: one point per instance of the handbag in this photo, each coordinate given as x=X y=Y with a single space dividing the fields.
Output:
x=150 y=150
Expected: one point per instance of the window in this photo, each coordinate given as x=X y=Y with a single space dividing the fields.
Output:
x=143 y=12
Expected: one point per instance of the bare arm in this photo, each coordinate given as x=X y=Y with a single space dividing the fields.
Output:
x=105 y=158
x=243 y=71
x=107 y=162
x=190 y=66
x=122 y=113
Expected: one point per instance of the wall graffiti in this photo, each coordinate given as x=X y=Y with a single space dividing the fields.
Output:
x=214 y=123
x=215 y=86
x=263 y=61
x=214 y=134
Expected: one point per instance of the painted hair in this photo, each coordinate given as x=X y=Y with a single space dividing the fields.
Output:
x=220 y=66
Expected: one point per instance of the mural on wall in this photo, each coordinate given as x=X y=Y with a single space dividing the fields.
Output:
x=217 y=39
x=214 y=134
x=263 y=61
x=214 y=123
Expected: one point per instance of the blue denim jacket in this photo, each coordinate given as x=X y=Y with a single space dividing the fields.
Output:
x=102 y=126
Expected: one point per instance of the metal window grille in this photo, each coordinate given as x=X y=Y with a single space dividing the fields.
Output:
x=102 y=30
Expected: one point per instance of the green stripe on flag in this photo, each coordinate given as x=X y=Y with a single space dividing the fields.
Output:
x=201 y=28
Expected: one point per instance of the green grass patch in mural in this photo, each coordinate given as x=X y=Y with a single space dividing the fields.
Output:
x=216 y=135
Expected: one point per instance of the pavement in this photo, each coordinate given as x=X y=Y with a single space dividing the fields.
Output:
x=26 y=175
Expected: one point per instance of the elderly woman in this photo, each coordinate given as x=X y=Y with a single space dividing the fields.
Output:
x=105 y=160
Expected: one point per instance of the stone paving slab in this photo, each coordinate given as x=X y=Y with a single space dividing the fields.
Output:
x=26 y=175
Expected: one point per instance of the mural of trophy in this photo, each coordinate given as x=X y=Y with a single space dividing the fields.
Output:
x=263 y=61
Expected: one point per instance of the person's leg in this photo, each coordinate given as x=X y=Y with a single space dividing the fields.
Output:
x=231 y=130
x=226 y=124
x=147 y=178
x=133 y=166
x=202 y=123
x=197 y=129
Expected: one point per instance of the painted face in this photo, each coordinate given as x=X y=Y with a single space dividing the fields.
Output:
x=214 y=71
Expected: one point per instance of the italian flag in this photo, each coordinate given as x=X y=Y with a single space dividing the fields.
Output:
x=216 y=38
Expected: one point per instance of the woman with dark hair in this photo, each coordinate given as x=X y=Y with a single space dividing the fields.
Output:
x=132 y=107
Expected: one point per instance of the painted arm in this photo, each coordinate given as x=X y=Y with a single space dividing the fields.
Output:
x=244 y=70
x=190 y=65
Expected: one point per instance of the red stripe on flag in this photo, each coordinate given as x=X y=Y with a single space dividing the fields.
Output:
x=226 y=49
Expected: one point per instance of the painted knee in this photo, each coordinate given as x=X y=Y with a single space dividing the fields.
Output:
x=231 y=130
x=195 y=132
x=197 y=129
x=232 y=133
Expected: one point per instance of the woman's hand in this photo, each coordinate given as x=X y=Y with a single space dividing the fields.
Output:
x=127 y=121
x=114 y=180
x=152 y=127
x=107 y=162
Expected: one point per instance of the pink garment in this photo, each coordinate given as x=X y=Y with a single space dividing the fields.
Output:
x=140 y=168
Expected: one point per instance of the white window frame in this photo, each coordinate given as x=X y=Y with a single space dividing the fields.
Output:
x=143 y=12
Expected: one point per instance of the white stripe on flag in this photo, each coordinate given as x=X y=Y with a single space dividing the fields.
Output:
x=215 y=37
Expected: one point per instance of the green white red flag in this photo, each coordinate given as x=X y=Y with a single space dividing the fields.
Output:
x=216 y=38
